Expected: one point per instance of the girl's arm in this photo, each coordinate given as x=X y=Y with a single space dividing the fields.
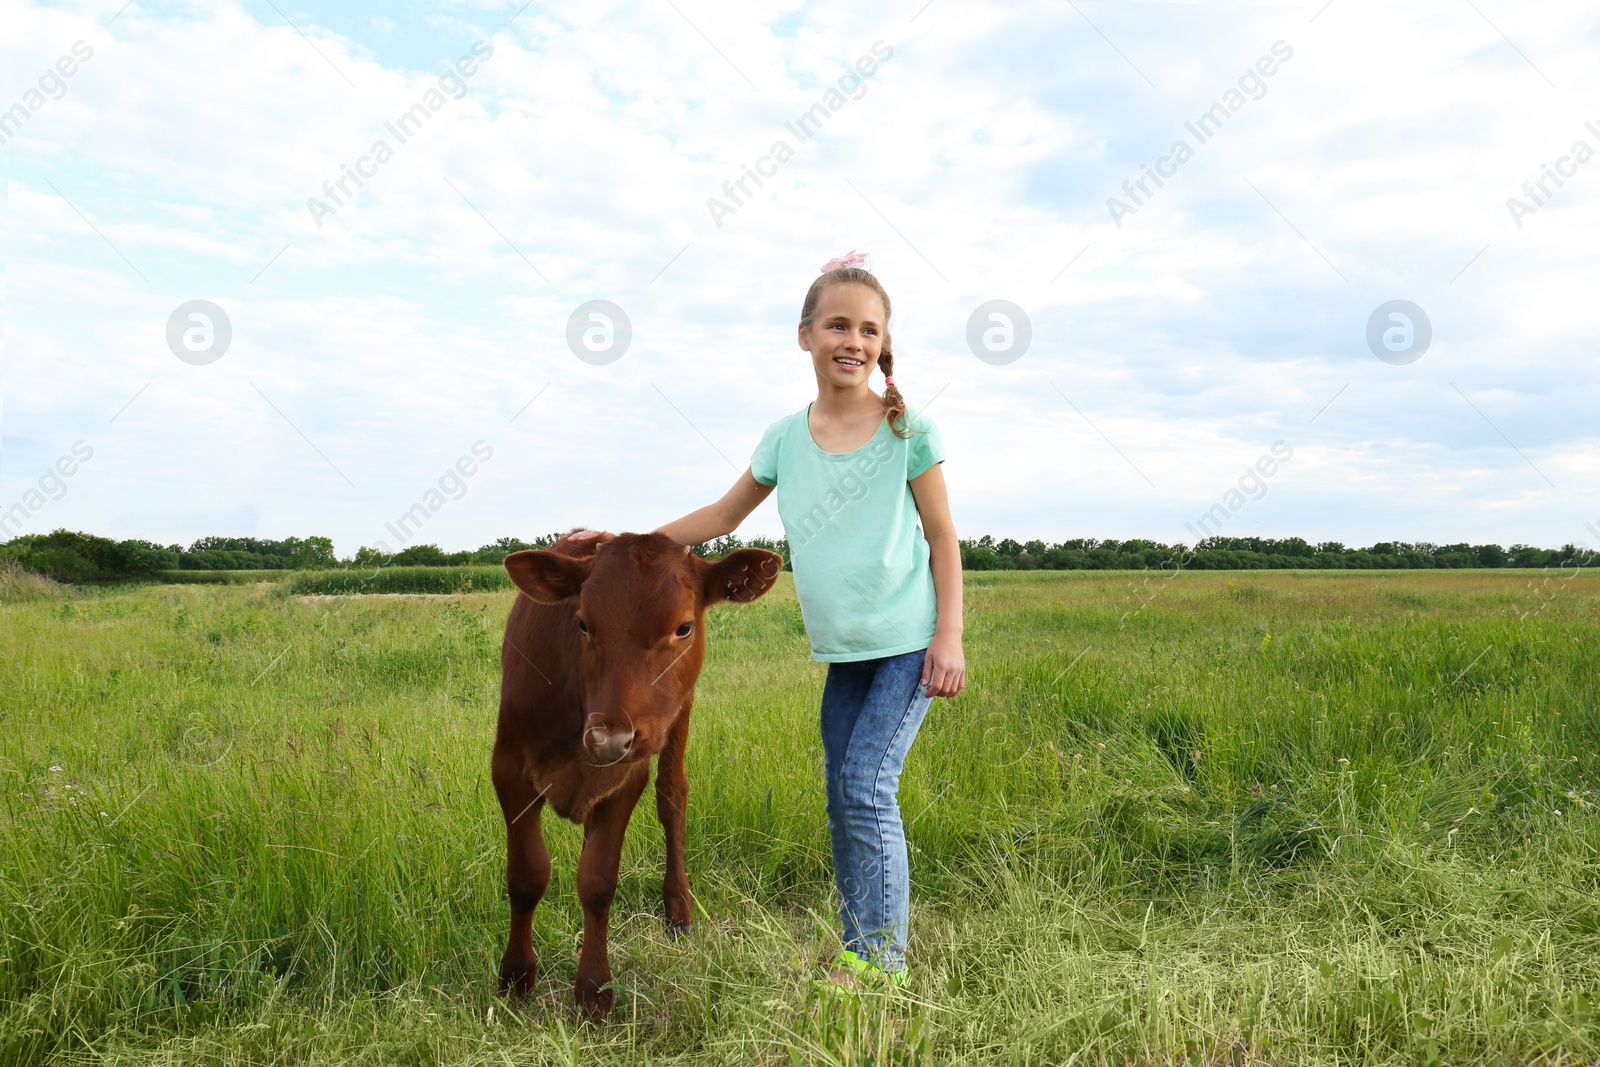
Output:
x=720 y=518
x=713 y=520
x=944 y=668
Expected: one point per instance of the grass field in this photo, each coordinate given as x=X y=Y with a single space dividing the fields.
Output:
x=222 y=577
x=1277 y=817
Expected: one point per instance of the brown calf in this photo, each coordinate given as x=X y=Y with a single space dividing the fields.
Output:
x=597 y=674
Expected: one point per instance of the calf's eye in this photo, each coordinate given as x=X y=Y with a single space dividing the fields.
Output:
x=582 y=629
x=685 y=630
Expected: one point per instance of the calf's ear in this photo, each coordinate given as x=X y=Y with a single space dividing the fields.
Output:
x=741 y=576
x=548 y=577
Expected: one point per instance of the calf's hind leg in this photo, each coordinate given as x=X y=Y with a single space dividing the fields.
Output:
x=527 y=876
x=597 y=887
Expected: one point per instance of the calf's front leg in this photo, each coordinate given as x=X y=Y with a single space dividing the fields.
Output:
x=527 y=877
x=672 y=803
x=597 y=887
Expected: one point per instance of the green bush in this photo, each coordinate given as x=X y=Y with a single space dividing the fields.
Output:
x=70 y=556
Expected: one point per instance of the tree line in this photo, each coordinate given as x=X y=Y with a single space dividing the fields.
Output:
x=72 y=556
x=1255 y=553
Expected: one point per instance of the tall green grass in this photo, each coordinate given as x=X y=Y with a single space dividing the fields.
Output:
x=243 y=577
x=357 y=580
x=18 y=583
x=1283 y=817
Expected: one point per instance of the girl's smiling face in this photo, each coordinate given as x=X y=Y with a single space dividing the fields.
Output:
x=845 y=335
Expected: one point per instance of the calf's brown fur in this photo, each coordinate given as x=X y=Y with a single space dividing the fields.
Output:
x=598 y=670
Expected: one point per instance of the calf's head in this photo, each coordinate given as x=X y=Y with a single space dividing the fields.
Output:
x=639 y=607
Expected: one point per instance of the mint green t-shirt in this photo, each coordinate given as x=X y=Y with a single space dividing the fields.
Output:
x=860 y=558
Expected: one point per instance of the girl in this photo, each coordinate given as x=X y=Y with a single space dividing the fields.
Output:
x=881 y=598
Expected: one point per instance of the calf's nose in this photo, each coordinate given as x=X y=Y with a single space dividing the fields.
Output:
x=609 y=746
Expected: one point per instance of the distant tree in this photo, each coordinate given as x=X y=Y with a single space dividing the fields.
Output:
x=1062 y=558
x=1490 y=555
x=419 y=556
x=310 y=552
x=1526 y=556
x=501 y=548
x=1572 y=555
x=74 y=556
x=982 y=557
x=371 y=557
x=70 y=556
x=718 y=547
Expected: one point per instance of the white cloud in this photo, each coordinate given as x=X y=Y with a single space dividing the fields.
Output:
x=407 y=326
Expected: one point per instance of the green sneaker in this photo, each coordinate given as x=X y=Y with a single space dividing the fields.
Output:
x=849 y=964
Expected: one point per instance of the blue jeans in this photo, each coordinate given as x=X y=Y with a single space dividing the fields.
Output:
x=871 y=711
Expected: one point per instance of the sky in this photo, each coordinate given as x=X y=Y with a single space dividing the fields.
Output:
x=1303 y=166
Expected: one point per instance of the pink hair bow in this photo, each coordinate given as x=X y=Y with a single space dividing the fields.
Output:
x=849 y=259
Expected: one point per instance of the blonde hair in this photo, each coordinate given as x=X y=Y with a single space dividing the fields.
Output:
x=894 y=405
